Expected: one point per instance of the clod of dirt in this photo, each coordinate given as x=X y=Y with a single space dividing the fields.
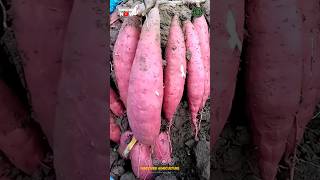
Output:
x=117 y=171
x=129 y=3
x=203 y=162
x=127 y=176
x=242 y=136
x=190 y=142
x=233 y=159
x=166 y=177
x=123 y=121
x=206 y=7
x=149 y=4
x=116 y=164
x=166 y=14
x=113 y=157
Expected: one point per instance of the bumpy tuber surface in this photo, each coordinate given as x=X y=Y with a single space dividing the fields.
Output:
x=145 y=90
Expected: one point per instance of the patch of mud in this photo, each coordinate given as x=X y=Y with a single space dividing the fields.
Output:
x=206 y=7
x=231 y=156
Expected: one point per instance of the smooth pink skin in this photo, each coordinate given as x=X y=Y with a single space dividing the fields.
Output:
x=41 y=42
x=175 y=70
x=311 y=81
x=201 y=26
x=225 y=60
x=115 y=104
x=274 y=77
x=115 y=131
x=145 y=90
x=196 y=72
x=162 y=148
x=20 y=143
x=140 y=156
x=123 y=53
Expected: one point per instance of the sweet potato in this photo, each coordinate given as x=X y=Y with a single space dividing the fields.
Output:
x=196 y=73
x=162 y=148
x=124 y=141
x=140 y=157
x=175 y=70
x=79 y=149
x=274 y=76
x=115 y=131
x=123 y=53
x=311 y=73
x=201 y=26
x=19 y=140
x=145 y=90
x=41 y=42
x=227 y=45
x=115 y=104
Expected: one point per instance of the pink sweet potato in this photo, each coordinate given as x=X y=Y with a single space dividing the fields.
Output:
x=124 y=141
x=274 y=76
x=41 y=42
x=175 y=70
x=311 y=73
x=140 y=157
x=20 y=141
x=123 y=53
x=227 y=45
x=79 y=147
x=115 y=131
x=115 y=104
x=145 y=90
x=201 y=26
x=196 y=73
x=162 y=148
